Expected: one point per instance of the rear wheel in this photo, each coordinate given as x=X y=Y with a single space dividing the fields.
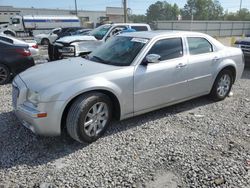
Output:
x=222 y=85
x=89 y=117
x=45 y=42
x=4 y=74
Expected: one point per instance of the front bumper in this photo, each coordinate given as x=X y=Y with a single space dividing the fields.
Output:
x=34 y=118
x=67 y=51
x=45 y=126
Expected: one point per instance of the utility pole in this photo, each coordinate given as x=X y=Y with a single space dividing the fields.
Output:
x=76 y=7
x=125 y=11
x=240 y=4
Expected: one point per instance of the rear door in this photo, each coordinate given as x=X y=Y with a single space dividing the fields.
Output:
x=202 y=59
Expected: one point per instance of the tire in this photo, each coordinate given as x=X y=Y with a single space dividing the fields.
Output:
x=45 y=41
x=221 y=88
x=83 y=111
x=4 y=74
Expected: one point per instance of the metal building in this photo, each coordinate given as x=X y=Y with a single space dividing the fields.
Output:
x=112 y=14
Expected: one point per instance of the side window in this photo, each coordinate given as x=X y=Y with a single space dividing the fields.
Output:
x=117 y=30
x=15 y=21
x=56 y=31
x=6 y=40
x=199 y=45
x=168 y=48
x=139 y=28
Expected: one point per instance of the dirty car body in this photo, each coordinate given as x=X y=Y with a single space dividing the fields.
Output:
x=138 y=72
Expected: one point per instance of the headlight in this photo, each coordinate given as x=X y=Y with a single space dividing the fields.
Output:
x=33 y=97
x=68 y=49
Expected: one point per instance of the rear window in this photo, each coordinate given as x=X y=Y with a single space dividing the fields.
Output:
x=198 y=45
x=139 y=28
x=6 y=40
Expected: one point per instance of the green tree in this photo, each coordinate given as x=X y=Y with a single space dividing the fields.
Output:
x=137 y=18
x=202 y=10
x=162 y=10
x=242 y=15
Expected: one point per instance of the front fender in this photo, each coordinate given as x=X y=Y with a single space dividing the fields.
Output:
x=77 y=87
x=72 y=90
x=91 y=85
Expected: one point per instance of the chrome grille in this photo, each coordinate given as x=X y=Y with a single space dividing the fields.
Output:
x=245 y=48
x=15 y=95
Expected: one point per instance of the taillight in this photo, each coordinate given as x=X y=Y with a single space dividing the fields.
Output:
x=23 y=52
x=35 y=46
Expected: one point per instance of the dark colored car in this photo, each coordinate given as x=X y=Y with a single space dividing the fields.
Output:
x=14 y=60
x=244 y=44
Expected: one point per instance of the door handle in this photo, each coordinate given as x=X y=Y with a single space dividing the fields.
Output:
x=181 y=65
x=216 y=59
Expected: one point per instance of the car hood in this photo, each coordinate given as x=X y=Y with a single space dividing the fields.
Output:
x=46 y=75
x=243 y=41
x=42 y=36
x=88 y=46
x=70 y=39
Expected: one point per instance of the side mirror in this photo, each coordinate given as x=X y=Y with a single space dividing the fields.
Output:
x=152 y=58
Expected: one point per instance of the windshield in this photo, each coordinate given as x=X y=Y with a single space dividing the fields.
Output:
x=15 y=21
x=118 y=51
x=100 y=32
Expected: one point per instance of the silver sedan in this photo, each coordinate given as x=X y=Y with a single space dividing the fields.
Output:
x=130 y=74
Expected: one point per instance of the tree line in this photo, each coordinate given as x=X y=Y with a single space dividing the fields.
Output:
x=193 y=10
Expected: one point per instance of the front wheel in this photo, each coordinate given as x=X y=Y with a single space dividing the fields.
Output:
x=222 y=85
x=4 y=74
x=45 y=41
x=89 y=116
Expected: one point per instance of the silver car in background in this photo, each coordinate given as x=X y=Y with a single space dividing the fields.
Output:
x=130 y=74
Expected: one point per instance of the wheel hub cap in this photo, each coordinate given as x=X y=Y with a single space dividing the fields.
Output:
x=223 y=85
x=96 y=119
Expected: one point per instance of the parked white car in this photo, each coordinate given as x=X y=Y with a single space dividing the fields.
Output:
x=33 y=47
x=130 y=74
x=81 y=45
x=45 y=39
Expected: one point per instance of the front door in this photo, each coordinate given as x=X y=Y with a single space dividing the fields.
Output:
x=157 y=84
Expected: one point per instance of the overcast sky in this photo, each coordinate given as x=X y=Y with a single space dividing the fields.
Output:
x=137 y=6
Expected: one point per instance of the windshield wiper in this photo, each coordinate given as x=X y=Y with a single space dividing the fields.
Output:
x=100 y=60
x=85 y=56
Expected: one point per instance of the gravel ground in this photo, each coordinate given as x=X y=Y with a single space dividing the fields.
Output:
x=198 y=143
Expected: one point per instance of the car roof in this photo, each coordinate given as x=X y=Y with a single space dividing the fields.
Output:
x=132 y=24
x=161 y=33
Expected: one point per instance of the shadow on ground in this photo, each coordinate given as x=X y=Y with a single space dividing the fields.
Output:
x=21 y=147
x=246 y=73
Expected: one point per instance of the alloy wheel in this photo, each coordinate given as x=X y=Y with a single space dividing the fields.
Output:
x=224 y=85
x=96 y=119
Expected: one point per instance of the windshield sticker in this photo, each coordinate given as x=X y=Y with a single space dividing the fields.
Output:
x=141 y=40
